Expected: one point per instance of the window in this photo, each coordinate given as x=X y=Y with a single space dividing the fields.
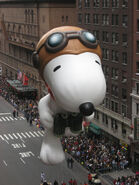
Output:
x=125 y=3
x=114 y=124
x=114 y=106
x=137 y=88
x=105 y=119
x=62 y=18
x=105 y=36
x=105 y=53
x=115 y=19
x=32 y=16
x=137 y=46
x=96 y=3
x=96 y=115
x=115 y=55
x=87 y=18
x=124 y=37
x=67 y=18
x=105 y=3
x=25 y=15
x=114 y=74
x=137 y=67
x=138 y=4
x=115 y=38
x=124 y=110
x=95 y=18
x=105 y=19
x=115 y=3
x=79 y=3
x=137 y=25
x=123 y=129
x=124 y=76
x=124 y=58
x=87 y=3
x=124 y=94
x=114 y=90
x=96 y=34
x=79 y=18
x=125 y=20
x=137 y=108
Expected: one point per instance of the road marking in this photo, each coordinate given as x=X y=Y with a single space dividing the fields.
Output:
x=23 y=135
x=19 y=135
x=22 y=160
x=22 y=117
x=11 y=118
x=27 y=134
x=31 y=134
x=7 y=118
x=6 y=141
x=40 y=133
x=0 y=120
x=5 y=163
x=15 y=136
x=15 y=118
x=4 y=113
x=2 y=137
x=36 y=134
x=3 y=118
x=43 y=132
x=6 y=137
x=10 y=136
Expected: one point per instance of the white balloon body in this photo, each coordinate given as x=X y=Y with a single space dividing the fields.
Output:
x=73 y=80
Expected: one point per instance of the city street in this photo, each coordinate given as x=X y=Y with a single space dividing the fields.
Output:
x=19 y=153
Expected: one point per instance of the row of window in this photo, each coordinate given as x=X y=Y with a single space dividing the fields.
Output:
x=115 y=56
x=103 y=19
x=105 y=3
x=114 y=123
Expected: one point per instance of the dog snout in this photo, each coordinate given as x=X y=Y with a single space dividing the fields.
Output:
x=86 y=109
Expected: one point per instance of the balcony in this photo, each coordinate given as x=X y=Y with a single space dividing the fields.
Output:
x=135 y=94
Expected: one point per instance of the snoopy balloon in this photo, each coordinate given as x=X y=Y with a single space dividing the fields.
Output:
x=69 y=61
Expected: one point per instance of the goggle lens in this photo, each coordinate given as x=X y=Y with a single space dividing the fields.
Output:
x=89 y=37
x=55 y=40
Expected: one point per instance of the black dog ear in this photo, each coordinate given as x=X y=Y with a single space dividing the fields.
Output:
x=35 y=58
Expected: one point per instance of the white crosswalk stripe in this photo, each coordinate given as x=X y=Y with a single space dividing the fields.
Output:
x=27 y=134
x=22 y=135
x=32 y=134
x=15 y=136
x=40 y=133
x=36 y=134
x=1 y=137
x=10 y=136
x=3 y=118
x=7 y=118
x=6 y=136
x=19 y=135
x=10 y=118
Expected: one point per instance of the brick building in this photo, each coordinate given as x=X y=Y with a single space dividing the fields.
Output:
x=22 y=23
x=115 y=23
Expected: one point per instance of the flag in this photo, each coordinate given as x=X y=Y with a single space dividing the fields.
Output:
x=25 y=79
x=19 y=75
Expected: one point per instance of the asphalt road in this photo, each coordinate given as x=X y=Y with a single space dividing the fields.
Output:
x=19 y=153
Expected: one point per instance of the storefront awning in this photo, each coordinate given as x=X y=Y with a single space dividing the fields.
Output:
x=94 y=128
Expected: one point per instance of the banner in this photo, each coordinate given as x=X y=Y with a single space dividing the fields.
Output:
x=25 y=79
x=19 y=75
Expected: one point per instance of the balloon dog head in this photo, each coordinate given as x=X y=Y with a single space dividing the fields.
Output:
x=69 y=60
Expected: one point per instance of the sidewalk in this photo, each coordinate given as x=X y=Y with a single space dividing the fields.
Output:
x=109 y=177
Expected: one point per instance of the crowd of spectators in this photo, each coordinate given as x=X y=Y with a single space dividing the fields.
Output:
x=27 y=106
x=97 y=154
x=128 y=180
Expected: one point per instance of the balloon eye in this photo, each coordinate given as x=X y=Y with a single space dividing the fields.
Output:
x=55 y=40
x=89 y=37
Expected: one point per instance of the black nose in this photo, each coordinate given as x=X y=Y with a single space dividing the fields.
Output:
x=86 y=109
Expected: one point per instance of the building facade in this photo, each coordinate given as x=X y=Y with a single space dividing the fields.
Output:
x=22 y=23
x=115 y=24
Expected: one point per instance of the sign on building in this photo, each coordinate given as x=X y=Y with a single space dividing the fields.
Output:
x=136 y=129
